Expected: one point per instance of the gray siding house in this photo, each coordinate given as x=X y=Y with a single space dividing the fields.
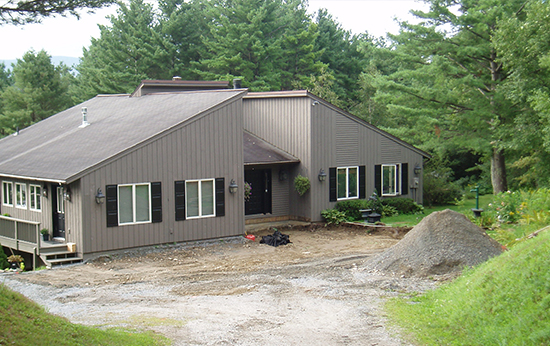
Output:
x=168 y=163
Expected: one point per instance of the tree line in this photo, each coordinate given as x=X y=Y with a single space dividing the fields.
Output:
x=468 y=83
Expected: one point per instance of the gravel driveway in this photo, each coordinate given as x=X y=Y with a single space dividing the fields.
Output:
x=314 y=291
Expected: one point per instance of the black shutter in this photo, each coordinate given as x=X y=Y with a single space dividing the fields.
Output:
x=332 y=184
x=362 y=183
x=156 y=201
x=220 y=197
x=179 y=188
x=378 y=179
x=405 y=178
x=111 y=204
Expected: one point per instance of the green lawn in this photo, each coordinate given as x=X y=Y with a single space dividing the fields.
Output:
x=504 y=301
x=464 y=208
x=24 y=323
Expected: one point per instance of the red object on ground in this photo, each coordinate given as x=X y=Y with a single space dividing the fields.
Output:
x=251 y=237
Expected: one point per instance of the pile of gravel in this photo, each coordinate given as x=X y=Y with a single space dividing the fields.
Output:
x=443 y=242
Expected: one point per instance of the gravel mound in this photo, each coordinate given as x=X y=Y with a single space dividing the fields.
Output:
x=442 y=243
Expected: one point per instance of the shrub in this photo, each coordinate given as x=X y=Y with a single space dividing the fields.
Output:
x=3 y=259
x=404 y=205
x=388 y=211
x=438 y=190
x=333 y=216
x=301 y=184
x=351 y=208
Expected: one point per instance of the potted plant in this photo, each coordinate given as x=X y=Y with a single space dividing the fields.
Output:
x=16 y=261
x=45 y=234
x=301 y=184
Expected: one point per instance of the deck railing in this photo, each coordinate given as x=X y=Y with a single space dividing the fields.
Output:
x=19 y=234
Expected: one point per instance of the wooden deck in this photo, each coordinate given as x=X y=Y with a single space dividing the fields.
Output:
x=24 y=236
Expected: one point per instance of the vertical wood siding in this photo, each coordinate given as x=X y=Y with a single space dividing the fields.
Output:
x=44 y=216
x=209 y=146
x=285 y=123
x=339 y=140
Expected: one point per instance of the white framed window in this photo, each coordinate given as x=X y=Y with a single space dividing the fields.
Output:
x=391 y=180
x=199 y=198
x=7 y=193
x=35 y=195
x=347 y=182
x=21 y=195
x=134 y=203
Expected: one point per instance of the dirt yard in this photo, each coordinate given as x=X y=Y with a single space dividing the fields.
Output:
x=314 y=291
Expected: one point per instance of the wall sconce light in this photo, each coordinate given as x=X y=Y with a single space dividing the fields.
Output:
x=283 y=175
x=67 y=194
x=417 y=169
x=233 y=187
x=45 y=190
x=99 y=197
x=322 y=175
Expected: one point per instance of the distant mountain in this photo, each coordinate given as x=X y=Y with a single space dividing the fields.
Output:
x=56 y=60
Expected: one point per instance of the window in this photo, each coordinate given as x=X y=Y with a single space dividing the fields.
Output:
x=21 y=195
x=199 y=196
x=347 y=182
x=134 y=203
x=35 y=191
x=391 y=180
x=7 y=193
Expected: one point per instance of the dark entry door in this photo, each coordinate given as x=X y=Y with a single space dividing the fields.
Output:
x=260 y=198
x=58 y=208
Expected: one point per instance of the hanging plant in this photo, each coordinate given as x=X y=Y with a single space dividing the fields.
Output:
x=247 y=191
x=301 y=184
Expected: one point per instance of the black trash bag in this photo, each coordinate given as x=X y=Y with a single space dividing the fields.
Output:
x=276 y=239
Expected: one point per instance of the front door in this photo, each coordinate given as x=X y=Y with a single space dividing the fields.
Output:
x=260 y=197
x=58 y=207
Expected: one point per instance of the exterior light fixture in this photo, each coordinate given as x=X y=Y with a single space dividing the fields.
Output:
x=233 y=187
x=45 y=190
x=99 y=197
x=322 y=175
x=283 y=175
x=417 y=169
x=67 y=194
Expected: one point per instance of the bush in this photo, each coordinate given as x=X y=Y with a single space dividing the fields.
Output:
x=438 y=190
x=3 y=259
x=389 y=211
x=404 y=205
x=351 y=208
x=333 y=216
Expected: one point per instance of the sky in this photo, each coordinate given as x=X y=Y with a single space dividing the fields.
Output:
x=66 y=36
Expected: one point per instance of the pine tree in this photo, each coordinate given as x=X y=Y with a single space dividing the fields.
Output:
x=40 y=89
x=448 y=79
x=129 y=50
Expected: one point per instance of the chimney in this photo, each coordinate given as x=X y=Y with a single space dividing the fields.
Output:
x=176 y=78
x=236 y=83
x=84 y=117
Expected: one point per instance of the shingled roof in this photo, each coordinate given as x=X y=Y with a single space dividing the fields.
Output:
x=259 y=152
x=57 y=149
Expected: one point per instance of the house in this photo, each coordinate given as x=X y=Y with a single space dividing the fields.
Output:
x=168 y=163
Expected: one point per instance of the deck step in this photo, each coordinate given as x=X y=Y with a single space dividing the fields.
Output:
x=61 y=261
x=60 y=258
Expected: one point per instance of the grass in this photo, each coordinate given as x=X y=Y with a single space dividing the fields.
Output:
x=23 y=322
x=504 y=301
x=464 y=207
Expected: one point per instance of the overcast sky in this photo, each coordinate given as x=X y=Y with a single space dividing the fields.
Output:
x=67 y=36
